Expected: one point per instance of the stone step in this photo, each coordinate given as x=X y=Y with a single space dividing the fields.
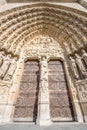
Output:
x=58 y=126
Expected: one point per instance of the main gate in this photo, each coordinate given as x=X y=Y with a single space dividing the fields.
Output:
x=60 y=103
x=26 y=104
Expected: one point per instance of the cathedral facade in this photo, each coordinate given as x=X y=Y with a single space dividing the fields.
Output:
x=43 y=61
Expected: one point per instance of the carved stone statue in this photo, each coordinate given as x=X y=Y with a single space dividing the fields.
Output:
x=5 y=66
x=11 y=70
x=80 y=65
x=1 y=58
x=44 y=74
x=67 y=48
x=84 y=56
x=74 y=68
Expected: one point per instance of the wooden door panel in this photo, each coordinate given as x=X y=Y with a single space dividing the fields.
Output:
x=26 y=104
x=60 y=104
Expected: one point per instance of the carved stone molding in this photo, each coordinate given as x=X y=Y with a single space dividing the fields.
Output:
x=45 y=19
x=82 y=90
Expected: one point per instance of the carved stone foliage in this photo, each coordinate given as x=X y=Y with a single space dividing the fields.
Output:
x=42 y=45
x=60 y=105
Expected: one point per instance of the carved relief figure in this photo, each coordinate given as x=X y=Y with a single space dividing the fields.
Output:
x=11 y=69
x=1 y=57
x=44 y=74
x=84 y=56
x=5 y=66
x=80 y=65
x=74 y=68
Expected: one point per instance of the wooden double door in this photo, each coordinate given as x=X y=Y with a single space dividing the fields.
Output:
x=26 y=107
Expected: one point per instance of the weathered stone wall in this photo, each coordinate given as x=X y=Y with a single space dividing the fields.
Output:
x=2 y=2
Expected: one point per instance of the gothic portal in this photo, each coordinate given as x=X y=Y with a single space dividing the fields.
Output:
x=43 y=62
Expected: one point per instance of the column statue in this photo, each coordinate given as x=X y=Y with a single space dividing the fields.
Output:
x=5 y=66
x=67 y=48
x=80 y=65
x=74 y=68
x=11 y=70
x=1 y=57
x=84 y=56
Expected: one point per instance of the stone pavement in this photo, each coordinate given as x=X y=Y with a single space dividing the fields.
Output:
x=59 y=126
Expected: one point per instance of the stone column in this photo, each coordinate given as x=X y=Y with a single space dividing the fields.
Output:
x=43 y=117
x=73 y=94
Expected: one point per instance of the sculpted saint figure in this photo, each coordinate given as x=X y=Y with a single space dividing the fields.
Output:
x=1 y=57
x=74 y=68
x=5 y=66
x=44 y=75
x=84 y=56
x=80 y=65
x=11 y=70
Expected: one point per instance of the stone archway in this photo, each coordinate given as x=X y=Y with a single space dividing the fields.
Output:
x=47 y=22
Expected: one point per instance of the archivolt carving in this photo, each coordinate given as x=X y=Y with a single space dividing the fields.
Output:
x=19 y=23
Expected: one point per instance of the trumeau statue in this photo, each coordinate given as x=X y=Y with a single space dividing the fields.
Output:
x=44 y=74
x=5 y=66
x=11 y=70
x=80 y=65
x=1 y=57
x=74 y=68
x=84 y=56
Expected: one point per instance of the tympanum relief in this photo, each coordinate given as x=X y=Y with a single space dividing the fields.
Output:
x=42 y=45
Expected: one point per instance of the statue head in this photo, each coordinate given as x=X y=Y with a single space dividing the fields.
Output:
x=43 y=57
